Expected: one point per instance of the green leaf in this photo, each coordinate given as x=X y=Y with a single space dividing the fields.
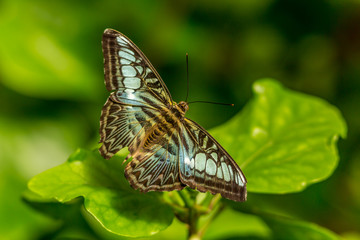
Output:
x=107 y=195
x=284 y=228
x=283 y=140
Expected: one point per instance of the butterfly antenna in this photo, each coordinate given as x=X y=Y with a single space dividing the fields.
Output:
x=187 y=89
x=187 y=76
x=226 y=104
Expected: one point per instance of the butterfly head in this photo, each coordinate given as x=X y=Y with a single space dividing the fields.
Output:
x=183 y=107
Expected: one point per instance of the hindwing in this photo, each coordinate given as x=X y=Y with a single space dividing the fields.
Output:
x=155 y=166
x=121 y=124
x=206 y=166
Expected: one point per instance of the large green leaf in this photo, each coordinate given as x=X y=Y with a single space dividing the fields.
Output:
x=107 y=195
x=283 y=140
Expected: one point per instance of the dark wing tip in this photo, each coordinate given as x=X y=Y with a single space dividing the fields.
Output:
x=238 y=196
x=243 y=194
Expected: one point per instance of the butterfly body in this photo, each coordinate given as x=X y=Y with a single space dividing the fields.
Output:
x=168 y=151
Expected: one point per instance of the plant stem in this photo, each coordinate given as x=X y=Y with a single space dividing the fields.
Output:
x=193 y=224
x=195 y=211
x=193 y=216
x=185 y=197
x=217 y=212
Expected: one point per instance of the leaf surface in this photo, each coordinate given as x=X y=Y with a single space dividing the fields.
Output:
x=283 y=140
x=107 y=196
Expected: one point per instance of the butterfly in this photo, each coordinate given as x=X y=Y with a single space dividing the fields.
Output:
x=168 y=150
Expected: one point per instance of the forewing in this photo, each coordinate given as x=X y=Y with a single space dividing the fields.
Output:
x=206 y=166
x=138 y=97
x=123 y=125
x=155 y=166
x=128 y=70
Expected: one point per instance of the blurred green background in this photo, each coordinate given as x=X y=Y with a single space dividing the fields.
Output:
x=52 y=90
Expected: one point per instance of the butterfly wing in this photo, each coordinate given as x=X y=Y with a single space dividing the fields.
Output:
x=137 y=98
x=123 y=125
x=155 y=167
x=206 y=166
x=127 y=69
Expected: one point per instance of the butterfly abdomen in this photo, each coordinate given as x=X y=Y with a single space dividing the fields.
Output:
x=168 y=122
x=154 y=136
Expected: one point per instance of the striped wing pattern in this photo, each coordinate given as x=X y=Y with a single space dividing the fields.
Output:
x=136 y=88
x=132 y=111
x=206 y=166
x=127 y=68
x=120 y=124
x=167 y=150
x=155 y=166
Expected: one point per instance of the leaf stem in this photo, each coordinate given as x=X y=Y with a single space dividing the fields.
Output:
x=217 y=212
x=214 y=201
x=193 y=224
x=185 y=197
x=196 y=210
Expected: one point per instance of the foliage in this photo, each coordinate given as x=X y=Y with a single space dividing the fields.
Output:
x=283 y=141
